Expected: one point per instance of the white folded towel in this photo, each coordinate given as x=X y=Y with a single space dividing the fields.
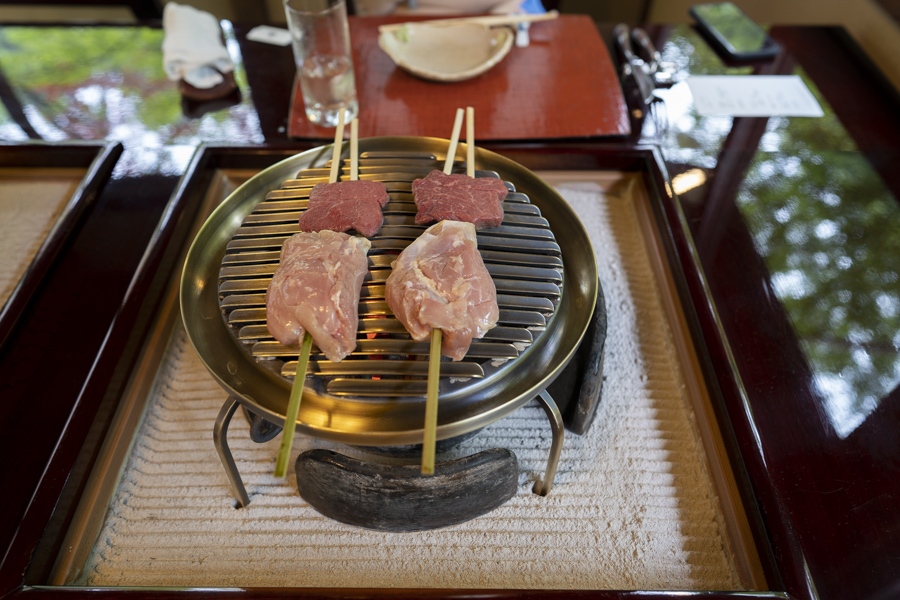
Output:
x=192 y=47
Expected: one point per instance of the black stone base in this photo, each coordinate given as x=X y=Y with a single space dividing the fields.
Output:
x=400 y=498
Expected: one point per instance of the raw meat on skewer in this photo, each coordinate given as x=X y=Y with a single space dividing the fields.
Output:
x=445 y=196
x=345 y=205
x=316 y=289
x=459 y=197
x=316 y=286
x=439 y=286
x=314 y=294
x=440 y=282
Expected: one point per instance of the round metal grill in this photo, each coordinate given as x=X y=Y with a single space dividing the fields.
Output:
x=376 y=395
x=521 y=255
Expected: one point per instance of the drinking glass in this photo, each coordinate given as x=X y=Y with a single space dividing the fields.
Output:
x=321 y=41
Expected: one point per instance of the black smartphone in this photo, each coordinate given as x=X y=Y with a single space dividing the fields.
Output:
x=732 y=32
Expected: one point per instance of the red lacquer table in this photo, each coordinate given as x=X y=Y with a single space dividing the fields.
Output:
x=563 y=85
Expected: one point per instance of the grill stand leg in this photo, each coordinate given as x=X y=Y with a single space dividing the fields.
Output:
x=556 y=425
x=542 y=488
x=220 y=439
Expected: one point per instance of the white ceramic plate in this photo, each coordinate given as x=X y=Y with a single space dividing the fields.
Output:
x=446 y=52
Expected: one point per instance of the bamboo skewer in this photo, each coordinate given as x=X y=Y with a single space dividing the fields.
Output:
x=434 y=356
x=431 y=403
x=454 y=140
x=290 y=419
x=354 y=149
x=470 y=141
x=336 y=151
x=293 y=409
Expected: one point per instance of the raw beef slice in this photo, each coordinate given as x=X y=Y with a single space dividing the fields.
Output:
x=345 y=205
x=458 y=197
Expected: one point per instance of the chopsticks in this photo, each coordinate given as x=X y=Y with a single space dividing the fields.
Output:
x=293 y=409
x=429 y=439
x=490 y=20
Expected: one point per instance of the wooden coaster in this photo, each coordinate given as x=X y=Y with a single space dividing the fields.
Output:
x=220 y=90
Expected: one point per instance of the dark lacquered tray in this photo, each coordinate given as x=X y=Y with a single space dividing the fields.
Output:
x=87 y=166
x=215 y=171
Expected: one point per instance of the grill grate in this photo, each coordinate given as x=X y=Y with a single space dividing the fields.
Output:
x=521 y=255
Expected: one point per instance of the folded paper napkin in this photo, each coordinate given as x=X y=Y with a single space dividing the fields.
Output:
x=192 y=48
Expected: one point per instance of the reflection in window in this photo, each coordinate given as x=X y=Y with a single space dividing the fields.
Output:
x=108 y=83
x=694 y=139
x=824 y=222
x=691 y=138
x=9 y=129
x=829 y=231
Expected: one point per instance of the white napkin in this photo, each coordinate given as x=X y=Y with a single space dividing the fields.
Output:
x=192 y=47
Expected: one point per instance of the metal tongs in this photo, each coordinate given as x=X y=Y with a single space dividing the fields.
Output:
x=642 y=71
x=645 y=69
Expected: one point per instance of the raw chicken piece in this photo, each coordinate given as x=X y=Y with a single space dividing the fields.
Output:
x=344 y=205
x=440 y=281
x=458 y=197
x=316 y=287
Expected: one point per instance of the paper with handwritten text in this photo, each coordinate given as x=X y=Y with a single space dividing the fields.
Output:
x=753 y=96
